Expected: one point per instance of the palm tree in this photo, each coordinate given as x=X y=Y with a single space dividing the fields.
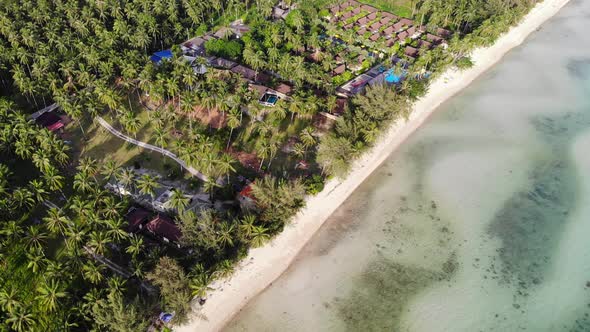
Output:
x=21 y=319
x=35 y=238
x=56 y=222
x=147 y=184
x=299 y=150
x=307 y=137
x=38 y=190
x=135 y=245
x=178 y=201
x=115 y=229
x=36 y=260
x=82 y=182
x=49 y=295
x=116 y=285
x=98 y=242
x=234 y=120
x=259 y=236
x=93 y=272
x=9 y=300
x=200 y=285
x=54 y=181
x=131 y=123
x=126 y=176
x=225 y=165
x=225 y=235
x=111 y=208
x=109 y=169
x=23 y=198
x=160 y=138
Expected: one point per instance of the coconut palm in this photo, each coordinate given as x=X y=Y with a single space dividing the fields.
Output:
x=178 y=200
x=35 y=237
x=110 y=207
x=135 y=245
x=115 y=229
x=50 y=293
x=109 y=169
x=99 y=241
x=225 y=235
x=92 y=272
x=54 y=181
x=199 y=285
x=225 y=164
x=234 y=120
x=9 y=299
x=224 y=269
x=147 y=184
x=21 y=319
x=83 y=182
x=259 y=236
x=38 y=190
x=22 y=198
x=126 y=177
x=56 y=222
x=307 y=137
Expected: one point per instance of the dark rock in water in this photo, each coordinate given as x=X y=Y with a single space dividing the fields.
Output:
x=588 y=284
x=516 y=306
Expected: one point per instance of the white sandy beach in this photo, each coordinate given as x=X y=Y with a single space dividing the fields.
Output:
x=264 y=265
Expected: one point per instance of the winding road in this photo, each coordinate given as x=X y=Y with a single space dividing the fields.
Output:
x=144 y=145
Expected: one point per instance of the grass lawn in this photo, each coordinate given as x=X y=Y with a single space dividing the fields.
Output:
x=102 y=145
x=401 y=8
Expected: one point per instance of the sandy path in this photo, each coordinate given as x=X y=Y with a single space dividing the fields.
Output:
x=264 y=265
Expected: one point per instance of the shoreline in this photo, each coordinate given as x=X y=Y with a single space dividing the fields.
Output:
x=263 y=265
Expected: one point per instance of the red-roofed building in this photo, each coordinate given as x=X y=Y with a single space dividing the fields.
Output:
x=136 y=217
x=375 y=26
x=339 y=70
x=444 y=33
x=398 y=26
x=385 y=20
x=284 y=89
x=246 y=198
x=374 y=37
x=406 y=22
x=50 y=120
x=389 y=31
x=411 y=52
x=402 y=36
x=162 y=226
x=362 y=21
x=433 y=38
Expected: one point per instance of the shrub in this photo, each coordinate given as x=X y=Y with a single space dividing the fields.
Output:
x=224 y=48
x=314 y=184
x=464 y=63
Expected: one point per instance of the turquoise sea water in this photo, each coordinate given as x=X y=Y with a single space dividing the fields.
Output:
x=480 y=222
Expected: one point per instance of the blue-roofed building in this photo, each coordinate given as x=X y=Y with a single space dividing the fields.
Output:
x=157 y=57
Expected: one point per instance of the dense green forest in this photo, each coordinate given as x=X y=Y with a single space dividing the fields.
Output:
x=68 y=260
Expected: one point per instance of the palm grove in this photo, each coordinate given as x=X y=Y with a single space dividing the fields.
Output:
x=71 y=265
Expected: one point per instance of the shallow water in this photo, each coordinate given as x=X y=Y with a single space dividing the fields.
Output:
x=480 y=222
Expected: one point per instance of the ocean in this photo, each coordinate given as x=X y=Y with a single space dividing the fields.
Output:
x=479 y=222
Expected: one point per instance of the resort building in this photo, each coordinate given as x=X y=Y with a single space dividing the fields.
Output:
x=164 y=228
x=136 y=219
